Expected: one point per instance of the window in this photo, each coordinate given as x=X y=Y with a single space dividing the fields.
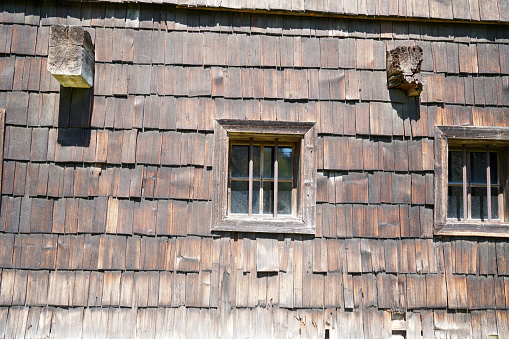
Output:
x=264 y=177
x=470 y=176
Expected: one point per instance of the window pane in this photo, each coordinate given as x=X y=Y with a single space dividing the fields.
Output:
x=256 y=197
x=479 y=203
x=285 y=164
x=455 y=203
x=494 y=203
x=493 y=168
x=239 y=197
x=284 y=198
x=268 y=163
x=268 y=197
x=239 y=161
x=455 y=167
x=478 y=167
x=256 y=162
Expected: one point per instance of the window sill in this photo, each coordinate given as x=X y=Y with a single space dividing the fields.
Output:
x=477 y=229
x=264 y=225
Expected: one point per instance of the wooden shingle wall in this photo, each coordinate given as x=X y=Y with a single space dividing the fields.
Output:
x=104 y=222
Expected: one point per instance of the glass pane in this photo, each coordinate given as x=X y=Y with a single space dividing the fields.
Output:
x=268 y=167
x=284 y=198
x=256 y=162
x=455 y=203
x=493 y=168
x=239 y=197
x=239 y=161
x=285 y=163
x=455 y=167
x=256 y=196
x=268 y=197
x=494 y=203
x=478 y=167
x=479 y=203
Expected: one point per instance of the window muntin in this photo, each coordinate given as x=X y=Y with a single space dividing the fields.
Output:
x=472 y=172
x=254 y=172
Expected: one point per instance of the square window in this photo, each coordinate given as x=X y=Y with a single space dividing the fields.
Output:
x=264 y=177
x=470 y=180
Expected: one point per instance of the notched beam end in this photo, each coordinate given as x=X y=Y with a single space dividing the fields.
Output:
x=404 y=69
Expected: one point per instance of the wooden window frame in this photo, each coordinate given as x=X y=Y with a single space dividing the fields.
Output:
x=471 y=137
x=303 y=134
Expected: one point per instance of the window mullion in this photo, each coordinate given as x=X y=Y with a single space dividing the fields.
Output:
x=250 y=189
x=275 y=177
x=262 y=160
x=488 y=180
x=229 y=189
x=465 y=193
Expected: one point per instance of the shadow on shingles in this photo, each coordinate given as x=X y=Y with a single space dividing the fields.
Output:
x=406 y=107
x=74 y=115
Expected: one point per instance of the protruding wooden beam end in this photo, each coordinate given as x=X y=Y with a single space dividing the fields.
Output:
x=71 y=56
x=404 y=69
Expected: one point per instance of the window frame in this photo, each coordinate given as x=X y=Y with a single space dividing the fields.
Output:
x=472 y=137
x=303 y=222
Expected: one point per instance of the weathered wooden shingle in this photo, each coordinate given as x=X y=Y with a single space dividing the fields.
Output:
x=148 y=147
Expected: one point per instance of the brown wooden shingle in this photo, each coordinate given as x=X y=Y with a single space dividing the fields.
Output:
x=9 y=168
x=41 y=216
x=148 y=147
x=145 y=217
x=10 y=214
x=32 y=178
x=17 y=147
